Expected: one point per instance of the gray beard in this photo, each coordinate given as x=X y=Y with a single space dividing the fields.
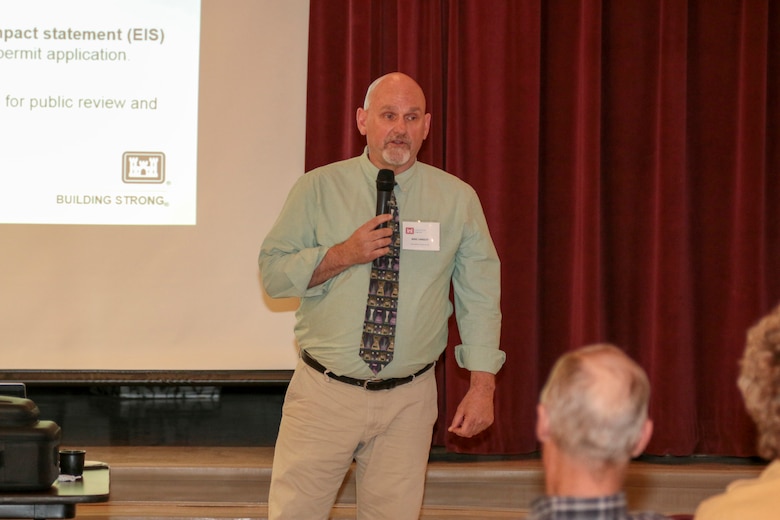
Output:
x=396 y=157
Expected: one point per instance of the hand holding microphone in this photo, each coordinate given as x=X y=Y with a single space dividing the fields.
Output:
x=371 y=240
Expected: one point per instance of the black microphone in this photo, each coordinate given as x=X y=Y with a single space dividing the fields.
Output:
x=385 y=181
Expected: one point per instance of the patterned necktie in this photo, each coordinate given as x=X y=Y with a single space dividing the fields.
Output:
x=379 y=326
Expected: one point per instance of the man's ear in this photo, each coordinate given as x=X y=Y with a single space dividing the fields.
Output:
x=427 y=125
x=360 y=118
x=542 y=423
x=644 y=438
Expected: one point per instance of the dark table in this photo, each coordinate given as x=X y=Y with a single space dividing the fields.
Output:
x=60 y=500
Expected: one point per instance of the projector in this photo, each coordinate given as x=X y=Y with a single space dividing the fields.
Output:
x=29 y=448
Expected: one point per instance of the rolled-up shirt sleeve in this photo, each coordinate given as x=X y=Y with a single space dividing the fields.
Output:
x=289 y=253
x=477 y=289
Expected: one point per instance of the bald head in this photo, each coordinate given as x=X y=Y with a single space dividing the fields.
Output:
x=394 y=82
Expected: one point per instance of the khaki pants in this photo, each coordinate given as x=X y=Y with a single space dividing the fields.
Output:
x=326 y=424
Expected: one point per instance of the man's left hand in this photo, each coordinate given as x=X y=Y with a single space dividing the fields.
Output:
x=475 y=411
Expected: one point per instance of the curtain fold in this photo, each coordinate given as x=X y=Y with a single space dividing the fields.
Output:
x=494 y=147
x=646 y=202
x=571 y=224
x=626 y=155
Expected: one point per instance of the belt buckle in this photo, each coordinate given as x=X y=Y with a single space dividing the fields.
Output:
x=369 y=381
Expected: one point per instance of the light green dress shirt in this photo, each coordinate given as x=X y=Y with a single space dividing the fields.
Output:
x=325 y=207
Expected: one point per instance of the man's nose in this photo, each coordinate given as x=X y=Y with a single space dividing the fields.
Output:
x=400 y=126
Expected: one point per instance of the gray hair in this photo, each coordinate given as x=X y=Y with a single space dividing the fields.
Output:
x=596 y=399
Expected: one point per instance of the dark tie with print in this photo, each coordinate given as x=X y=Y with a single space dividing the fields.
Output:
x=379 y=325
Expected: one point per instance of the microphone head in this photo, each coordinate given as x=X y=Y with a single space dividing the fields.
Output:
x=385 y=180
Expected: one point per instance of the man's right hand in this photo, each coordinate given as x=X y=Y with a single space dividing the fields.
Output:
x=366 y=244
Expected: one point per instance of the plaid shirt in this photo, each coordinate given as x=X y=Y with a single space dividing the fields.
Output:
x=611 y=507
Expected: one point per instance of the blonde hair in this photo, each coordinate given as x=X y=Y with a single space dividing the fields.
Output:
x=759 y=382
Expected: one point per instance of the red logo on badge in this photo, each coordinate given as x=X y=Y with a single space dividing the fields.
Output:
x=409 y=230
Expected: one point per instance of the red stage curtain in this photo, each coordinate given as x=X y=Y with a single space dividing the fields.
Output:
x=626 y=154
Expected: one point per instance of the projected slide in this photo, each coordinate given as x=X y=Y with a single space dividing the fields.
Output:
x=98 y=111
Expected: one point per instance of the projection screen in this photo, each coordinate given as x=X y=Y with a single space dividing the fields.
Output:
x=147 y=147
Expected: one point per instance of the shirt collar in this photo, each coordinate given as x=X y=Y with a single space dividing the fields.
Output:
x=575 y=508
x=403 y=180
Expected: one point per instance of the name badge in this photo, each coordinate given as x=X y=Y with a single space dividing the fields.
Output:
x=420 y=236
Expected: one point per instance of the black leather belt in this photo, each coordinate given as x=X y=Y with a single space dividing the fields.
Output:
x=368 y=384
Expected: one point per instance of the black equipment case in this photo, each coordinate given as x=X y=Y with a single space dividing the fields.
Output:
x=29 y=448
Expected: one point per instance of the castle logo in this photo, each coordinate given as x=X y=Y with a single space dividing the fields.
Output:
x=143 y=167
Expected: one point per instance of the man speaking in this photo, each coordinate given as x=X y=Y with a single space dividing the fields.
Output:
x=372 y=321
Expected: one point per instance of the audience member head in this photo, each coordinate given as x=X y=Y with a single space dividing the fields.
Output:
x=759 y=382
x=593 y=408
